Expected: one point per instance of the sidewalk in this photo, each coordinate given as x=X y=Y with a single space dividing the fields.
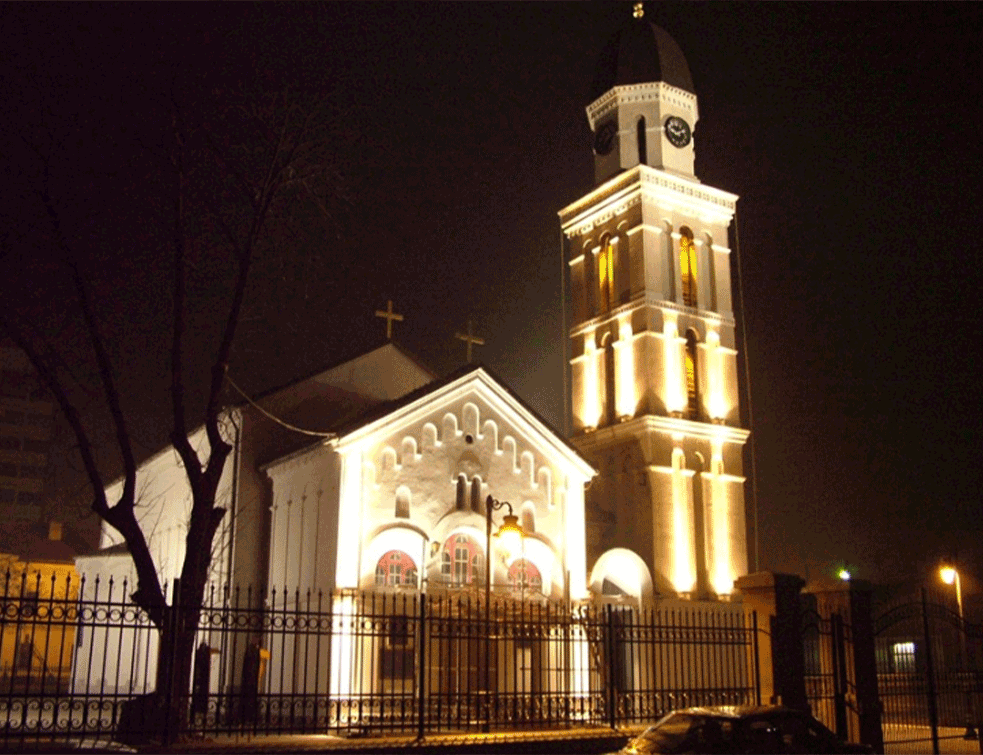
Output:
x=586 y=741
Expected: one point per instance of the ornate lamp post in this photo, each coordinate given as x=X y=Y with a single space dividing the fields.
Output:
x=510 y=536
x=950 y=575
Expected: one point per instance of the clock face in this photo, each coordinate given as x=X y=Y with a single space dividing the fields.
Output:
x=677 y=131
x=604 y=138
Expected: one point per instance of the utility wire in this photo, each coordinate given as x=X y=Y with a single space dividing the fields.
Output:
x=747 y=385
x=279 y=421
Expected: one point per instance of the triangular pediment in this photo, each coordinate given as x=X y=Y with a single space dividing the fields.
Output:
x=474 y=404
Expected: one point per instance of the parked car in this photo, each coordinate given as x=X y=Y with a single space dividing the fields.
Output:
x=739 y=729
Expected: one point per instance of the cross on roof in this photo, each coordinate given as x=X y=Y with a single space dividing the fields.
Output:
x=390 y=316
x=470 y=339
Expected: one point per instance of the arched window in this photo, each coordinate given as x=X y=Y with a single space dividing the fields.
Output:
x=528 y=521
x=642 y=149
x=692 y=388
x=476 y=506
x=605 y=274
x=687 y=266
x=395 y=568
x=461 y=560
x=711 y=271
x=402 y=503
x=590 y=297
x=523 y=575
x=462 y=485
x=610 y=413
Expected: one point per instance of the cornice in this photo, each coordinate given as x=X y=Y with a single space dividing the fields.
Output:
x=645 y=183
x=651 y=300
x=632 y=93
x=664 y=425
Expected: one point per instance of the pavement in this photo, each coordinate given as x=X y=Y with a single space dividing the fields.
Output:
x=585 y=741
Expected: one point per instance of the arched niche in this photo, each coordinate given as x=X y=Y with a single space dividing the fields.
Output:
x=621 y=572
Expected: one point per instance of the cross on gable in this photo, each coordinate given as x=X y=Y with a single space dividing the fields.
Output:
x=470 y=339
x=390 y=317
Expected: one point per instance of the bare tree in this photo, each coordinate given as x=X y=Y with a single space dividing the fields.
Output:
x=236 y=181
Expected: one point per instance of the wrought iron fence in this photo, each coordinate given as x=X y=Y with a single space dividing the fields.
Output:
x=929 y=673
x=357 y=662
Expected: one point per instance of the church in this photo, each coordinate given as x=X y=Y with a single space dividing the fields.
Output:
x=375 y=475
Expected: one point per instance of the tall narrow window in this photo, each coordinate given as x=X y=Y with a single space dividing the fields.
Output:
x=692 y=392
x=403 y=503
x=687 y=266
x=590 y=284
x=462 y=485
x=610 y=413
x=711 y=272
x=605 y=274
x=528 y=518
x=476 y=506
x=642 y=149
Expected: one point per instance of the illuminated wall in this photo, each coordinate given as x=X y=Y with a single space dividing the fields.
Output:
x=670 y=483
x=412 y=480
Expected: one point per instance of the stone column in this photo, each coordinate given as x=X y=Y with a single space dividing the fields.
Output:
x=775 y=597
x=852 y=601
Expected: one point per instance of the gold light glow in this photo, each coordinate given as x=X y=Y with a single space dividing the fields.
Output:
x=948 y=574
x=683 y=558
x=510 y=536
x=347 y=564
x=627 y=399
x=687 y=266
x=716 y=405
x=605 y=275
x=722 y=570
x=691 y=397
x=342 y=645
x=590 y=401
x=675 y=396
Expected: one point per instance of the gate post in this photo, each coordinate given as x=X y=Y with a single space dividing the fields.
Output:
x=853 y=602
x=775 y=597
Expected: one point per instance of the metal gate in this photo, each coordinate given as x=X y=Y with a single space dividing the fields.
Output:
x=928 y=676
x=829 y=672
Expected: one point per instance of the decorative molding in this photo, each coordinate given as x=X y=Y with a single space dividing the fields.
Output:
x=645 y=183
x=683 y=428
x=645 y=92
x=644 y=299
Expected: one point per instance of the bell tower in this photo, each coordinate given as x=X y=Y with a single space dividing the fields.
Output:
x=654 y=391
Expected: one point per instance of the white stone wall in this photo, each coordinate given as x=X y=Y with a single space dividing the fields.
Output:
x=416 y=457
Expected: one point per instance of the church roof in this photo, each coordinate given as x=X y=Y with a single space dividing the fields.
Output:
x=641 y=52
x=341 y=362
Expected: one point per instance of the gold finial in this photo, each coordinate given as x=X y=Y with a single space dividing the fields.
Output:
x=638 y=10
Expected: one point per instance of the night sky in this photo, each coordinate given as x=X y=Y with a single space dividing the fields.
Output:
x=458 y=131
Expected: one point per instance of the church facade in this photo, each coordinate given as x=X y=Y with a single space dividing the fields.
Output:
x=643 y=503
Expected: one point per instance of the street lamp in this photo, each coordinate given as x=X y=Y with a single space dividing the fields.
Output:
x=950 y=575
x=510 y=536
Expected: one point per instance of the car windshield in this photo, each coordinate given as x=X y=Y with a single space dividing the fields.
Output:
x=686 y=732
x=667 y=735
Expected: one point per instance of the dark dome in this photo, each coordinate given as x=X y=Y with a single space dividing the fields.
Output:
x=641 y=52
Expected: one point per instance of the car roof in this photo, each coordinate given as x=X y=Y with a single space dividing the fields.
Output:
x=737 y=711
